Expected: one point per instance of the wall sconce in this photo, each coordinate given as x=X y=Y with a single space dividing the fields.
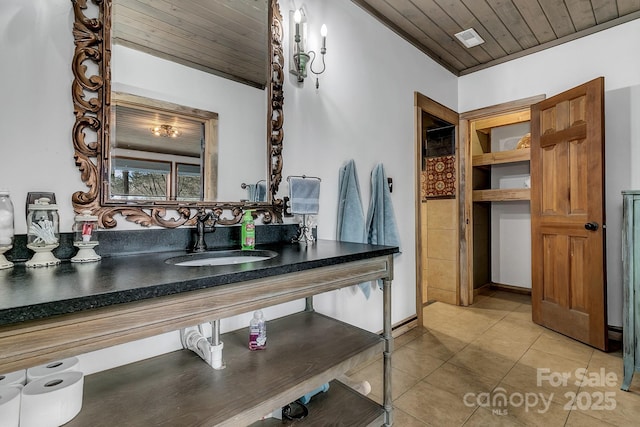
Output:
x=298 y=47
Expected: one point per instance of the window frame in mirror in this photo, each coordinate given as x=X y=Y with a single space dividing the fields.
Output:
x=208 y=151
x=91 y=93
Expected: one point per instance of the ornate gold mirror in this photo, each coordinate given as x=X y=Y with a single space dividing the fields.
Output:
x=95 y=107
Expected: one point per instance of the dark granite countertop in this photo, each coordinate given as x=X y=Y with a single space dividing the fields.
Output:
x=37 y=293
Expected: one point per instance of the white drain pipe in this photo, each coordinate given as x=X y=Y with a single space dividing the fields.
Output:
x=194 y=339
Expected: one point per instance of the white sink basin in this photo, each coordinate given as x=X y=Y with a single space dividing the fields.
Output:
x=220 y=258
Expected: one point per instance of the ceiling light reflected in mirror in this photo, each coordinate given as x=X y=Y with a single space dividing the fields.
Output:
x=166 y=131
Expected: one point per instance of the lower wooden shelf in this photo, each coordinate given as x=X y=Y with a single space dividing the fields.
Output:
x=304 y=351
x=339 y=406
x=502 y=195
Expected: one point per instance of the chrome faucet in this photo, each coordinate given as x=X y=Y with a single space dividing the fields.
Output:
x=202 y=218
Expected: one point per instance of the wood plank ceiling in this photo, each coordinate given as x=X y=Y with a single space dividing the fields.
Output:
x=510 y=28
x=227 y=38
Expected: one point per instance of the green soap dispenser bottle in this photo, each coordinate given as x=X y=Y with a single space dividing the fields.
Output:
x=248 y=234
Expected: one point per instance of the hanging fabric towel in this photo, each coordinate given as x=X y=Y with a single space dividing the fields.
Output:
x=304 y=194
x=382 y=228
x=350 y=213
x=350 y=226
x=257 y=192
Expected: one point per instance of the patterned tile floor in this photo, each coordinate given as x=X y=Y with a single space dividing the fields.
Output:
x=490 y=365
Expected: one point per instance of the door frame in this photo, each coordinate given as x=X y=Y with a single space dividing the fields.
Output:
x=465 y=199
x=424 y=104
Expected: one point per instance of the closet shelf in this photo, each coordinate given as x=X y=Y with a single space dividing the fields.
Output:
x=485 y=125
x=497 y=157
x=502 y=195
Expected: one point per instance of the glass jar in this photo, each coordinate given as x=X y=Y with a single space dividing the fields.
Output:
x=6 y=220
x=6 y=228
x=43 y=233
x=85 y=237
x=43 y=228
x=85 y=228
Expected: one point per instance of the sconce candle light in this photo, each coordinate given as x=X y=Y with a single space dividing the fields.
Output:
x=298 y=49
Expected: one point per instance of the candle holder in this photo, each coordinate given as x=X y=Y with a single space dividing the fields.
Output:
x=43 y=233
x=85 y=237
x=305 y=230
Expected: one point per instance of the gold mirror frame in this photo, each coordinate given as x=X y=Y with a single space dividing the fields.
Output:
x=92 y=104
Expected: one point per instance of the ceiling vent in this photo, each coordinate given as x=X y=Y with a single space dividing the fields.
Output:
x=469 y=38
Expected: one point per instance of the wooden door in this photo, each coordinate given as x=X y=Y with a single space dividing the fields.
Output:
x=567 y=214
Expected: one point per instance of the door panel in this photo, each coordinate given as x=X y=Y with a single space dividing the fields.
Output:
x=578 y=297
x=578 y=183
x=567 y=181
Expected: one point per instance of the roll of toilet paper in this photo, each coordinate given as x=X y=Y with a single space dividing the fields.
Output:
x=10 y=405
x=13 y=378
x=52 y=401
x=64 y=365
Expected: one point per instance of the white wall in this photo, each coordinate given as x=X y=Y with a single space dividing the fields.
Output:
x=364 y=111
x=36 y=110
x=552 y=71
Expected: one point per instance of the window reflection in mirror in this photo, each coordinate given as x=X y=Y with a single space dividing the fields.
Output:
x=189 y=179
x=161 y=151
x=139 y=179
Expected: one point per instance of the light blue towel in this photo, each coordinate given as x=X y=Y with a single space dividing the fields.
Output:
x=382 y=228
x=350 y=214
x=257 y=192
x=304 y=195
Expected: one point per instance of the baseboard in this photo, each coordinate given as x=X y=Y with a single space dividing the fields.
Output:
x=480 y=289
x=509 y=288
x=403 y=326
x=614 y=333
